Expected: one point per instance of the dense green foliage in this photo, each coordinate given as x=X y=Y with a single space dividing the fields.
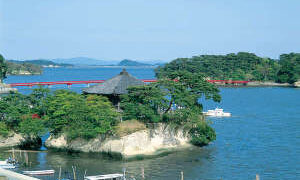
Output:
x=202 y=134
x=16 y=112
x=240 y=66
x=144 y=103
x=3 y=68
x=80 y=116
x=290 y=68
x=173 y=102
x=4 y=131
x=59 y=112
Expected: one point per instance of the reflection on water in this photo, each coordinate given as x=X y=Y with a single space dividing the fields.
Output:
x=166 y=167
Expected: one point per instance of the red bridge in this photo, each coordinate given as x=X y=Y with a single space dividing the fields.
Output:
x=69 y=83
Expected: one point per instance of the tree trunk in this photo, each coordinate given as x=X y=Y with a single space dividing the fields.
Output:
x=170 y=105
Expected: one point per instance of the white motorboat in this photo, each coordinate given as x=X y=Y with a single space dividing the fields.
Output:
x=217 y=113
x=106 y=176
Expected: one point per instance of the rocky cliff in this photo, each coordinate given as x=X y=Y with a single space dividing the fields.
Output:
x=143 y=142
x=11 y=141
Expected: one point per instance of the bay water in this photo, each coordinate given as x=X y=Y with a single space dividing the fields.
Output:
x=262 y=136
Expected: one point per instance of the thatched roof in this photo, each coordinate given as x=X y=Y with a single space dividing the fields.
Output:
x=115 y=86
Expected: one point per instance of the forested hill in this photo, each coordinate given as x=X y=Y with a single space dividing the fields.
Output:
x=22 y=69
x=240 y=66
x=10 y=68
x=41 y=62
x=127 y=62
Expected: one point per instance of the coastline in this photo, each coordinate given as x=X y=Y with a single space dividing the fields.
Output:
x=257 y=84
x=149 y=142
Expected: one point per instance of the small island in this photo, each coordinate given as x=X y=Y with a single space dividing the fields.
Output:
x=121 y=116
x=42 y=63
x=127 y=62
x=260 y=71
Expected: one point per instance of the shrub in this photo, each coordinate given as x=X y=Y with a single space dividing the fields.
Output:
x=80 y=116
x=202 y=134
x=32 y=127
x=4 y=132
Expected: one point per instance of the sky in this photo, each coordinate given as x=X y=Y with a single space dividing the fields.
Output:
x=147 y=29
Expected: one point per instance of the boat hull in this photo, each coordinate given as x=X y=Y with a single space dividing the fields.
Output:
x=44 y=172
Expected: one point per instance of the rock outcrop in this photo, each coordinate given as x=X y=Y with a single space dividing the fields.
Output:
x=297 y=84
x=11 y=141
x=144 y=142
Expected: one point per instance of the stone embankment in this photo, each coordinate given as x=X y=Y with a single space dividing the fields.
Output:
x=267 y=83
x=150 y=141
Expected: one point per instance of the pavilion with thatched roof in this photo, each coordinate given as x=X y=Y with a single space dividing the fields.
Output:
x=114 y=87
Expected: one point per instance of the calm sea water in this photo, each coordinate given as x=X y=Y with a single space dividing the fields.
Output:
x=262 y=137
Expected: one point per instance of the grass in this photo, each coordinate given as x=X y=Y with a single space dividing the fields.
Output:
x=128 y=127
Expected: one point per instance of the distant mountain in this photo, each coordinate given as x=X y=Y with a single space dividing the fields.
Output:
x=83 y=61
x=127 y=62
x=41 y=62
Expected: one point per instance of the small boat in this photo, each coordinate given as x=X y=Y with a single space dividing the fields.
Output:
x=107 y=176
x=7 y=165
x=217 y=113
x=42 y=172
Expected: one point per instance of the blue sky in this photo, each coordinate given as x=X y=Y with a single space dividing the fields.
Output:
x=147 y=29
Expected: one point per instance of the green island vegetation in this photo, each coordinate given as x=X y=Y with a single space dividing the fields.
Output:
x=240 y=66
x=42 y=62
x=61 y=111
x=3 y=68
x=174 y=102
x=290 y=68
x=87 y=116
x=127 y=62
x=23 y=69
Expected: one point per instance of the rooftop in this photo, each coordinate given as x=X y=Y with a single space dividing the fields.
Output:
x=117 y=85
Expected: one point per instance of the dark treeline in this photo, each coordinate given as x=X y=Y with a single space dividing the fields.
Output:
x=240 y=66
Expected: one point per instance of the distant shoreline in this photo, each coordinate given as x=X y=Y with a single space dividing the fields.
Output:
x=257 y=84
x=108 y=66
